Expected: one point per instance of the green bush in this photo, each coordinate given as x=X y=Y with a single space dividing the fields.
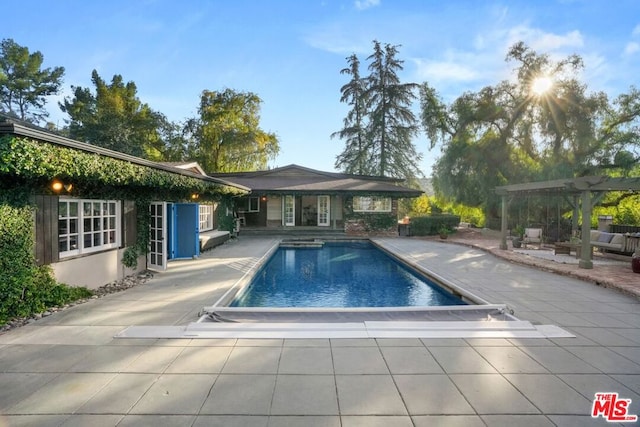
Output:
x=25 y=288
x=376 y=221
x=432 y=224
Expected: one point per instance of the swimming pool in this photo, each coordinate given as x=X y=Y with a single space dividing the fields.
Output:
x=340 y=274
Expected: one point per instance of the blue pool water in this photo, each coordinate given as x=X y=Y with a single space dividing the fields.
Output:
x=341 y=274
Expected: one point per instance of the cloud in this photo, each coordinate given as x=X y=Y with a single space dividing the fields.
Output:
x=631 y=48
x=366 y=4
x=446 y=70
x=542 y=41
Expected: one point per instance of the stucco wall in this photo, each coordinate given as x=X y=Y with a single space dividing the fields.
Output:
x=95 y=270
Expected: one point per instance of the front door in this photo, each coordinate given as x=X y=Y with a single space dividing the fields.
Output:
x=323 y=211
x=157 y=256
x=289 y=210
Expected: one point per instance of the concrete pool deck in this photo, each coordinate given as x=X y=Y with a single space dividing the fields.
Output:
x=68 y=370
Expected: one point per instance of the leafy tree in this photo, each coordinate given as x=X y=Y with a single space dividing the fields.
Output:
x=355 y=156
x=509 y=133
x=114 y=118
x=24 y=85
x=226 y=136
x=392 y=124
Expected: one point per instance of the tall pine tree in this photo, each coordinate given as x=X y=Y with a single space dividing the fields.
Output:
x=379 y=128
x=355 y=157
x=392 y=124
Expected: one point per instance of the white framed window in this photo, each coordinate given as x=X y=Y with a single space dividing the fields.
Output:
x=371 y=204
x=86 y=226
x=205 y=217
x=248 y=204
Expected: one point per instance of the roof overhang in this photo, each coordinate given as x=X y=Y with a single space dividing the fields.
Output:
x=11 y=127
x=572 y=185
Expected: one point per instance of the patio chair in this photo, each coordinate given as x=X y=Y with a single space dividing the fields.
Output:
x=533 y=235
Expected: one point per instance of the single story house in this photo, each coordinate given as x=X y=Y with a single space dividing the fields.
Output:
x=295 y=196
x=101 y=215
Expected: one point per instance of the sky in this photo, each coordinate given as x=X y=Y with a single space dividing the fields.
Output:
x=290 y=52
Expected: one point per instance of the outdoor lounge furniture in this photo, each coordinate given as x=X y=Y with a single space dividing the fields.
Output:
x=607 y=241
x=213 y=238
x=532 y=235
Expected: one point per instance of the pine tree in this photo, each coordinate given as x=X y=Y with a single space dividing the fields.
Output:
x=355 y=157
x=380 y=125
x=392 y=124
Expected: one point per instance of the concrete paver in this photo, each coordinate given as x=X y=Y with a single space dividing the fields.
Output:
x=67 y=369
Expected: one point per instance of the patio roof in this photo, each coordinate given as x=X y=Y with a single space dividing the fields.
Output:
x=581 y=189
x=573 y=185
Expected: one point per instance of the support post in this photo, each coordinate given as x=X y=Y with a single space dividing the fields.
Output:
x=503 y=228
x=574 y=216
x=585 y=258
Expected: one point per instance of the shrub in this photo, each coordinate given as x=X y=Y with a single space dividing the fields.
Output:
x=26 y=288
x=432 y=224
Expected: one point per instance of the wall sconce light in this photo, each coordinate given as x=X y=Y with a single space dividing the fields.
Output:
x=57 y=186
x=195 y=196
x=263 y=198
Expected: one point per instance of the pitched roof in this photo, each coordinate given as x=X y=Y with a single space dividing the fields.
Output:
x=10 y=126
x=298 y=179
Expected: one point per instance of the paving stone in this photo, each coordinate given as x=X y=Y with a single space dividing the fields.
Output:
x=448 y=421
x=305 y=395
x=458 y=360
x=157 y=420
x=43 y=358
x=193 y=360
x=358 y=360
x=550 y=394
x=377 y=421
x=120 y=395
x=492 y=394
x=82 y=420
x=510 y=360
x=431 y=394
x=306 y=360
x=605 y=360
x=62 y=395
x=174 y=394
x=304 y=421
x=240 y=395
x=18 y=386
x=253 y=360
x=517 y=421
x=368 y=395
x=155 y=359
x=558 y=360
x=410 y=360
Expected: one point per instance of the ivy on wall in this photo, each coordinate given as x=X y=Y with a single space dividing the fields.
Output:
x=32 y=166
x=38 y=163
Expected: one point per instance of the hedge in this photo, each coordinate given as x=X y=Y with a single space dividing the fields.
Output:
x=432 y=224
x=26 y=288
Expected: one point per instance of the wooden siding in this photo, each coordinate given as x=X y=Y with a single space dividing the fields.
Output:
x=46 y=230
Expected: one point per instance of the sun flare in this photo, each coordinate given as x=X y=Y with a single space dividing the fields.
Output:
x=540 y=85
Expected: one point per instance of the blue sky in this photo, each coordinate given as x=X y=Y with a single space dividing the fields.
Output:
x=290 y=53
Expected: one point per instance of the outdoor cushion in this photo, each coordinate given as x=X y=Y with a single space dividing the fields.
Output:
x=617 y=239
x=605 y=238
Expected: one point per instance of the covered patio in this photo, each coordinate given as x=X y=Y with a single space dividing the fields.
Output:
x=582 y=193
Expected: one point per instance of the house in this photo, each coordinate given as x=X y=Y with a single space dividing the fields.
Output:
x=95 y=207
x=295 y=196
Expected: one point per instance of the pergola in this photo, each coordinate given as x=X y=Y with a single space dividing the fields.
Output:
x=583 y=193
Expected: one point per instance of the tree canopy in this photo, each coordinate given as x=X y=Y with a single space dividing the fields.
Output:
x=540 y=125
x=226 y=136
x=114 y=118
x=24 y=85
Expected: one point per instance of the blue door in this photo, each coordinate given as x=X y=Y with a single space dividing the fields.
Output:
x=183 y=230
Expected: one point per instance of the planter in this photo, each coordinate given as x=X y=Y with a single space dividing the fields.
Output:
x=517 y=243
x=635 y=262
x=443 y=236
